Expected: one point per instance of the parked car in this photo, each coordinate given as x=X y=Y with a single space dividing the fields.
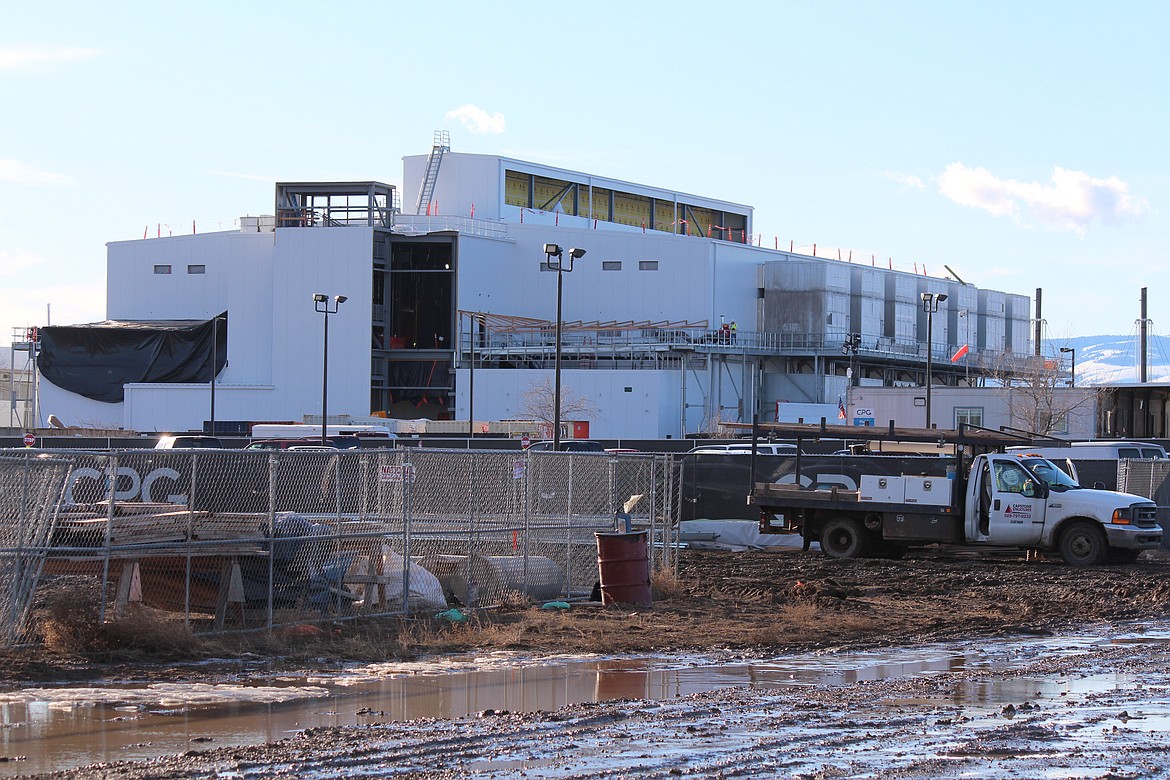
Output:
x=189 y=443
x=763 y=448
x=334 y=442
x=569 y=445
x=1096 y=450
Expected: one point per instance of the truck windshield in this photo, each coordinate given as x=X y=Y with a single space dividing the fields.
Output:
x=1050 y=474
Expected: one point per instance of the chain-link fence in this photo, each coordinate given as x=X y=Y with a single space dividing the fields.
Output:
x=1149 y=479
x=31 y=489
x=235 y=539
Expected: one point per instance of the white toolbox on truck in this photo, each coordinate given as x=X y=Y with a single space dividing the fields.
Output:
x=932 y=491
x=882 y=490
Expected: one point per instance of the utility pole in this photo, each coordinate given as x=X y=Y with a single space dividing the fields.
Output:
x=1143 y=331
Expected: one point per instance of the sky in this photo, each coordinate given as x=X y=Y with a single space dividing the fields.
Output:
x=1023 y=144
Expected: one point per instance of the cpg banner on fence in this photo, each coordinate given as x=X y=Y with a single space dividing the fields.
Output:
x=238 y=539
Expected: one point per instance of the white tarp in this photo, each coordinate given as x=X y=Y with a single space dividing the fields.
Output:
x=732 y=535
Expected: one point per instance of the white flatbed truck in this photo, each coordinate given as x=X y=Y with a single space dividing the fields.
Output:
x=1016 y=500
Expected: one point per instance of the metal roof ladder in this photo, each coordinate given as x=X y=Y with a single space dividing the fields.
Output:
x=427 y=190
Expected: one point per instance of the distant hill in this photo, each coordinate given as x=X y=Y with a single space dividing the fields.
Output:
x=1114 y=359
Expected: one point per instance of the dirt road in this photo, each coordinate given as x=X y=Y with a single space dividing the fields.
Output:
x=764 y=604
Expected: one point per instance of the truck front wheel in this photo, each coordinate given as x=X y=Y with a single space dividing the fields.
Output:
x=1083 y=544
x=843 y=538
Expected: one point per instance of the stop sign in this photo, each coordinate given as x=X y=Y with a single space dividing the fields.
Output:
x=524 y=442
x=29 y=440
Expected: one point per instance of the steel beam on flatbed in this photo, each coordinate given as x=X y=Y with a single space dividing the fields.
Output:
x=980 y=437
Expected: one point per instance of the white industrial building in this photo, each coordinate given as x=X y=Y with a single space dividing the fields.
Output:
x=459 y=294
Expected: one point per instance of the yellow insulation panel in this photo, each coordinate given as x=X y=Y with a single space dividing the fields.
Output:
x=601 y=204
x=546 y=191
x=516 y=189
x=664 y=216
x=631 y=209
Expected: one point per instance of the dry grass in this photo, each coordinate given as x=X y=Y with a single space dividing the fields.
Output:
x=806 y=622
x=66 y=618
x=147 y=633
x=666 y=585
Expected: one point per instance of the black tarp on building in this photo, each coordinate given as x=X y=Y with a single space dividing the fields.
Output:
x=96 y=360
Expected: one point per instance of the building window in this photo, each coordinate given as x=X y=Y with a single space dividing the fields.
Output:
x=611 y=265
x=971 y=415
x=647 y=265
x=162 y=269
x=1059 y=423
x=196 y=269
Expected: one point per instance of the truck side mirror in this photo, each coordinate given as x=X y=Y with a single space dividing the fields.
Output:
x=1098 y=486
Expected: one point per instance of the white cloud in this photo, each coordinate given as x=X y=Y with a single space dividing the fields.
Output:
x=14 y=261
x=16 y=57
x=1070 y=200
x=477 y=120
x=16 y=172
x=906 y=180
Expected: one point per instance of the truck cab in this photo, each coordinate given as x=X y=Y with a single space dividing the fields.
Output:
x=1027 y=501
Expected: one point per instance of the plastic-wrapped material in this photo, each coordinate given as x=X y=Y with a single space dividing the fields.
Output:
x=98 y=359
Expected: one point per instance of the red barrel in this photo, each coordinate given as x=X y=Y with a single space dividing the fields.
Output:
x=623 y=563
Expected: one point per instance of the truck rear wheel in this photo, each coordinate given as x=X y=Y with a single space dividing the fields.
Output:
x=1083 y=544
x=843 y=538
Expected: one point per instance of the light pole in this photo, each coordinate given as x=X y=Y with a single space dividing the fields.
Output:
x=551 y=251
x=321 y=303
x=1073 y=350
x=472 y=335
x=850 y=347
x=214 y=365
x=930 y=302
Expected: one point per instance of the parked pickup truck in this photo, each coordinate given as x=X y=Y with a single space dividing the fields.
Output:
x=1004 y=500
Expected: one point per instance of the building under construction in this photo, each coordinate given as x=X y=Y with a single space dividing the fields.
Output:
x=676 y=316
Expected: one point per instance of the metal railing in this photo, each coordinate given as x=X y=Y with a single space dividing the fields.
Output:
x=614 y=344
x=411 y=223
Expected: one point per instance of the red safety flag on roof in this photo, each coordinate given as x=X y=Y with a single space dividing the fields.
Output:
x=963 y=350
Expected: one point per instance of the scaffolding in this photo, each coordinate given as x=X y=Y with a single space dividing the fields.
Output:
x=21 y=383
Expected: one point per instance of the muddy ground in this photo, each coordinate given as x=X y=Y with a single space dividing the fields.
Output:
x=750 y=605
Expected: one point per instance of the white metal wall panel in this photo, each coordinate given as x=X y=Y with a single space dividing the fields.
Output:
x=238 y=279
x=966 y=297
x=868 y=281
x=992 y=333
x=808 y=276
x=681 y=288
x=73 y=409
x=464 y=180
x=651 y=410
x=992 y=313
x=870 y=318
x=331 y=261
x=905 y=321
x=1018 y=327
x=901 y=287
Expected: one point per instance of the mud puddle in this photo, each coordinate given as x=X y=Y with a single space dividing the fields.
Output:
x=61 y=728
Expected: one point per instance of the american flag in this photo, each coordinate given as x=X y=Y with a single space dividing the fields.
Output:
x=840 y=410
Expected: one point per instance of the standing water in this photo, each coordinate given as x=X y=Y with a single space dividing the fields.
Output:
x=60 y=728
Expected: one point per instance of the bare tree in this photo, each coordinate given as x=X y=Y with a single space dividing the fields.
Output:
x=538 y=403
x=1037 y=393
x=712 y=427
